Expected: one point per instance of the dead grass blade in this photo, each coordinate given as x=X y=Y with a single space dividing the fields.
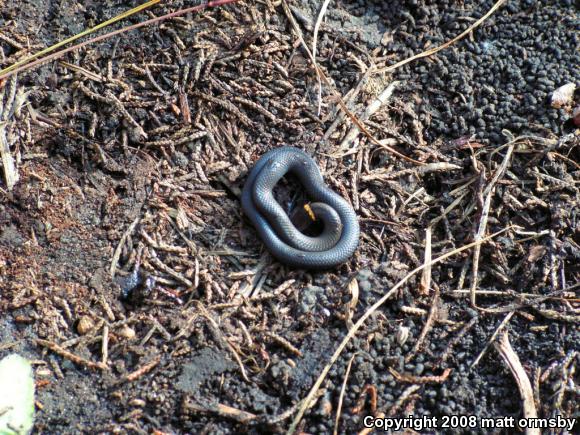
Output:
x=426 y=277
x=342 y=391
x=7 y=107
x=483 y=222
x=509 y=356
x=314 y=41
x=10 y=172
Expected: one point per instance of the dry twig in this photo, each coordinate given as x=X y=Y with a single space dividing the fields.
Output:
x=7 y=106
x=421 y=379
x=133 y=376
x=71 y=356
x=511 y=359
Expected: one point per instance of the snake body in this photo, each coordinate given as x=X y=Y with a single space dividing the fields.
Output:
x=340 y=234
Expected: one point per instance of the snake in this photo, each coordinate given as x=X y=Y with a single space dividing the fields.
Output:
x=340 y=234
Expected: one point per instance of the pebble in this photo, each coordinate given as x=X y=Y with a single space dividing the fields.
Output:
x=310 y=299
x=419 y=368
x=126 y=332
x=85 y=324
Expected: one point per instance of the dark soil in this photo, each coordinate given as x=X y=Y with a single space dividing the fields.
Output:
x=131 y=155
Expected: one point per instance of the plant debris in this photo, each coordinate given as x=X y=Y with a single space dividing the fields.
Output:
x=131 y=278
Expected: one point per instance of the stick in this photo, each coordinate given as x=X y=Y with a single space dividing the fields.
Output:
x=506 y=351
x=70 y=356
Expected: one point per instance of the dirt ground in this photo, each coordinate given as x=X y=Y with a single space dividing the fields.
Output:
x=147 y=304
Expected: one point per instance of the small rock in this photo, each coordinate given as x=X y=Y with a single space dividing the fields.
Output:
x=180 y=159
x=365 y=274
x=126 y=332
x=310 y=299
x=137 y=402
x=365 y=286
x=325 y=407
x=84 y=325
x=563 y=95
x=419 y=368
